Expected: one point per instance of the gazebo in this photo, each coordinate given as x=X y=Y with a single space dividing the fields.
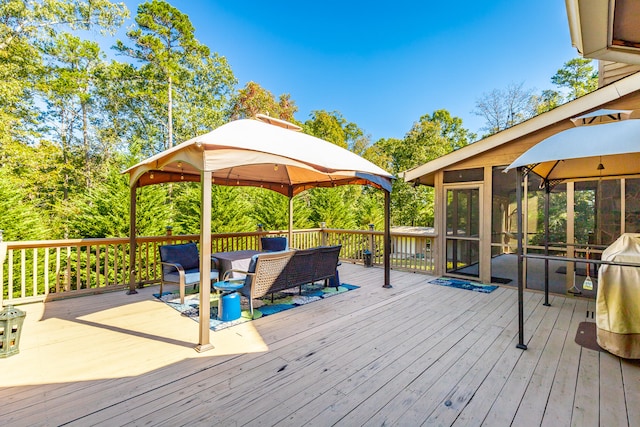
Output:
x=267 y=153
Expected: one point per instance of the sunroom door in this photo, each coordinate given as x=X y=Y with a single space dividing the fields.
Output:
x=463 y=219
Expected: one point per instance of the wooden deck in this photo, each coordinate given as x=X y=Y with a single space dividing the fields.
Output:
x=415 y=354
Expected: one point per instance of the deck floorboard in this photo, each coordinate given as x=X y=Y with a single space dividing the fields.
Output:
x=416 y=354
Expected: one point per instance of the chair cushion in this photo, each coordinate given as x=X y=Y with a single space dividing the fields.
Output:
x=190 y=276
x=273 y=244
x=184 y=254
x=246 y=289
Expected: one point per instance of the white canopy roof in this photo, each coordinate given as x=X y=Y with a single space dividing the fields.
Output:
x=576 y=153
x=253 y=153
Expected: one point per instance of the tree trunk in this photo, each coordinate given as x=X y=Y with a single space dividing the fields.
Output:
x=85 y=140
x=170 y=116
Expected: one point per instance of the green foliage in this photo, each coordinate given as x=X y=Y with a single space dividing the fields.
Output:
x=578 y=76
x=271 y=209
x=253 y=99
x=229 y=209
x=369 y=209
x=431 y=137
x=20 y=220
x=104 y=212
x=547 y=101
x=333 y=206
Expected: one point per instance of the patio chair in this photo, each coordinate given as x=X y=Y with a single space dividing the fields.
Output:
x=301 y=269
x=274 y=244
x=267 y=272
x=181 y=266
x=326 y=265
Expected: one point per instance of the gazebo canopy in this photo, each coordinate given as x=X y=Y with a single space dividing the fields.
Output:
x=252 y=153
x=269 y=154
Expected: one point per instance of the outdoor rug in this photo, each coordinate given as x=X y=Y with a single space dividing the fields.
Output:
x=283 y=300
x=464 y=284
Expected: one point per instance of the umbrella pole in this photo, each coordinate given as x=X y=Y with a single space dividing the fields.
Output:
x=132 y=239
x=387 y=240
x=521 y=345
x=547 y=194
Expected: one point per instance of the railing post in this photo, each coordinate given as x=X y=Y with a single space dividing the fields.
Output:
x=372 y=243
x=3 y=254
x=132 y=239
x=323 y=234
x=260 y=229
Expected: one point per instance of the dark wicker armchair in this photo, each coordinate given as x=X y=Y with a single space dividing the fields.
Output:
x=267 y=272
x=326 y=264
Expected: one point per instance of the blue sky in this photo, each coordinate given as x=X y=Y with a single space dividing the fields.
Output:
x=385 y=64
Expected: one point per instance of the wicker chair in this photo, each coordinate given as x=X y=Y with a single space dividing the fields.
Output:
x=326 y=264
x=267 y=272
x=301 y=268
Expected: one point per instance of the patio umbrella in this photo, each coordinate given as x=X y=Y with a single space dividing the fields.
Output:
x=604 y=144
x=255 y=153
x=601 y=116
x=602 y=150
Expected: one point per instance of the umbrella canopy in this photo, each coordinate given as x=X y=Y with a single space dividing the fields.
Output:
x=252 y=153
x=579 y=152
x=601 y=116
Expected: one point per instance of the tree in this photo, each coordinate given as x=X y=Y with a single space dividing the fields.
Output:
x=69 y=90
x=21 y=220
x=254 y=99
x=333 y=127
x=164 y=41
x=205 y=96
x=546 y=101
x=502 y=109
x=230 y=209
x=105 y=211
x=25 y=29
x=431 y=137
x=271 y=209
x=578 y=76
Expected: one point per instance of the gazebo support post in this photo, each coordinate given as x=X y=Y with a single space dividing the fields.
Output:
x=547 y=195
x=290 y=234
x=132 y=239
x=204 y=341
x=521 y=345
x=387 y=239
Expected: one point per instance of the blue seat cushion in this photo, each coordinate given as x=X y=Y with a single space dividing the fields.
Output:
x=185 y=254
x=190 y=276
x=273 y=244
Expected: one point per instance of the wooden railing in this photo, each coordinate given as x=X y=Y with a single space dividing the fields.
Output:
x=42 y=270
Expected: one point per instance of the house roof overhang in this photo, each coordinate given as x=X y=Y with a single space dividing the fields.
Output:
x=558 y=119
x=605 y=29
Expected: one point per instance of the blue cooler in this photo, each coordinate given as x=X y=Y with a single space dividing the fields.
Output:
x=229 y=300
